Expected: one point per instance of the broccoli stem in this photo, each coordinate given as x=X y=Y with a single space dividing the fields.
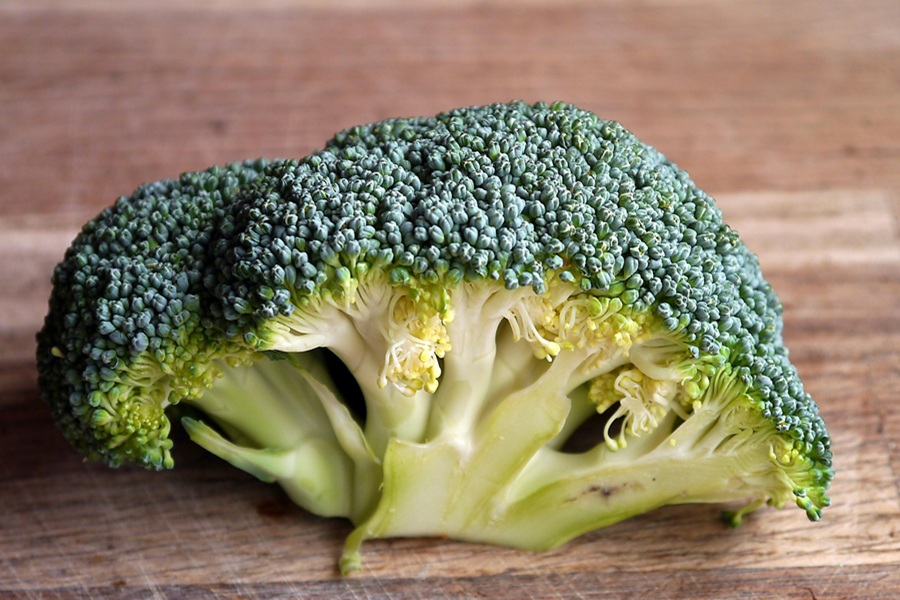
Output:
x=492 y=483
x=312 y=473
x=284 y=424
x=391 y=414
x=466 y=472
x=608 y=494
x=705 y=459
x=483 y=451
x=471 y=363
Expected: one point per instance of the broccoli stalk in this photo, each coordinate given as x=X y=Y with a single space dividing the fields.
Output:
x=494 y=280
x=484 y=463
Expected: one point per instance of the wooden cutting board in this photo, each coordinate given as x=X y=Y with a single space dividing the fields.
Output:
x=788 y=113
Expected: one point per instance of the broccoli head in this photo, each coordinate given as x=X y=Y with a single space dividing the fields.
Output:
x=412 y=328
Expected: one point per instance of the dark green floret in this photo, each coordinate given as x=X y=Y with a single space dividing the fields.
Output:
x=128 y=330
x=490 y=282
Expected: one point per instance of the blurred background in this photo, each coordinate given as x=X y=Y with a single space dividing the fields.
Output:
x=787 y=112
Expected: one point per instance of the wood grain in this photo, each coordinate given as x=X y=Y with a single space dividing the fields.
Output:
x=788 y=113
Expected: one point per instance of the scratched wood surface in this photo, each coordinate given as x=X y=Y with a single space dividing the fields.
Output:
x=788 y=113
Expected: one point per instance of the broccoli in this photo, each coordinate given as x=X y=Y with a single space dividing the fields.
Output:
x=415 y=327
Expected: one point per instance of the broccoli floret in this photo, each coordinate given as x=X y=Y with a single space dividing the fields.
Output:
x=409 y=327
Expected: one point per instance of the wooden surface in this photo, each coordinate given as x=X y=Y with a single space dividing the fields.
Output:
x=787 y=112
